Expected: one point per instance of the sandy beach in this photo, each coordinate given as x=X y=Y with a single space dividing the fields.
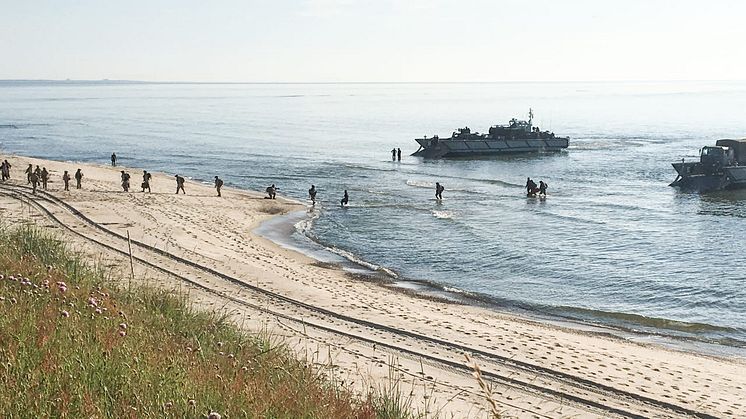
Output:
x=363 y=332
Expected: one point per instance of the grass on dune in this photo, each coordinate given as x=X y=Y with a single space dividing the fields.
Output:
x=74 y=344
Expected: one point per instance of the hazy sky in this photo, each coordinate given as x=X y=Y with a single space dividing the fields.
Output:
x=373 y=40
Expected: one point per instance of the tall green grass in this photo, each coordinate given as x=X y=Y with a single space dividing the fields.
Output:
x=74 y=344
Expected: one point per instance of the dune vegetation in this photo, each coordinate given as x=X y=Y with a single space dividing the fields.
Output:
x=74 y=343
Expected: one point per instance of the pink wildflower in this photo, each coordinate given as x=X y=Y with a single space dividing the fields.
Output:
x=214 y=415
x=92 y=302
x=122 y=333
x=192 y=402
x=65 y=313
x=123 y=326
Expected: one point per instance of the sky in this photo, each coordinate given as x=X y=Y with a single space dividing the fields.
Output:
x=373 y=40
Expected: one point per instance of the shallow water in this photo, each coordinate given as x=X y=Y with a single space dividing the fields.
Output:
x=611 y=244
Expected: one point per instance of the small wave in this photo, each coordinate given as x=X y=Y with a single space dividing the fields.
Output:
x=8 y=126
x=359 y=261
x=305 y=225
x=447 y=215
x=490 y=181
x=645 y=321
x=420 y=184
x=372 y=169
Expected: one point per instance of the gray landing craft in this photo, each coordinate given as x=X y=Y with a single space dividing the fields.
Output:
x=516 y=137
x=720 y=167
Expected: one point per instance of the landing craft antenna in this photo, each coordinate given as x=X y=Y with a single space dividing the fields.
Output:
x=530 y=115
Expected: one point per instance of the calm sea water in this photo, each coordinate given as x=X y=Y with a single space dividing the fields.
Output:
x=612 y=244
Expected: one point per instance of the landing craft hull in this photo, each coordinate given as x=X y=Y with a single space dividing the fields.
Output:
x=446 y=148
x=733 y=177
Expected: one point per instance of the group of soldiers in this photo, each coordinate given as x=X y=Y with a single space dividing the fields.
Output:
x=395 y=154
x=532 y=189
x=5 y=170
x=147 y=178
x=40 y=176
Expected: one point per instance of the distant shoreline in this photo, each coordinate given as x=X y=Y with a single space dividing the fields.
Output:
x=192 y=82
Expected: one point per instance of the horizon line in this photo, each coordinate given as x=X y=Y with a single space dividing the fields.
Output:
x=126 y=81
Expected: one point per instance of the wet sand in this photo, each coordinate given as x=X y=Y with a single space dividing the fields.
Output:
x=364 y=333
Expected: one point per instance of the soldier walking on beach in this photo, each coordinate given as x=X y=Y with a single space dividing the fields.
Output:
x=34 y=182
x=312 y=194
x=5 y=170
x=218 y=184
x=29 y=171
x=393 y=154
x=78 y=179
x=146 y=180
x=398 y=154
x=439 y=191
x=44 y=175
x=125 y=181
x=66 y=180
x=113 y=159
x=38 y=172
x=180 y=185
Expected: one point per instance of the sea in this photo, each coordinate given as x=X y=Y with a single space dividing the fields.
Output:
x=612 y=248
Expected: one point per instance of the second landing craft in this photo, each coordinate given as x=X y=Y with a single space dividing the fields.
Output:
x=720 y=167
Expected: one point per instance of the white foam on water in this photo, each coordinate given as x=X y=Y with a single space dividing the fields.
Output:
x=443 y=214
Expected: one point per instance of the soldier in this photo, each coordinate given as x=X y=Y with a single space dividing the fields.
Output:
x=146 y=180
x=66 y=180
x=37 y=171
x=312 y=194
x=345 y=199
x=543 y=188
x=29 y=171
x=398 y=154
x=439 y=191
x=218 y=184
x=78 y=179
x=34 y=181
x=125 y=181
x=113 y=159
x=180 y=185
x=271 y=192
x=44 y=176
x=393 y=154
